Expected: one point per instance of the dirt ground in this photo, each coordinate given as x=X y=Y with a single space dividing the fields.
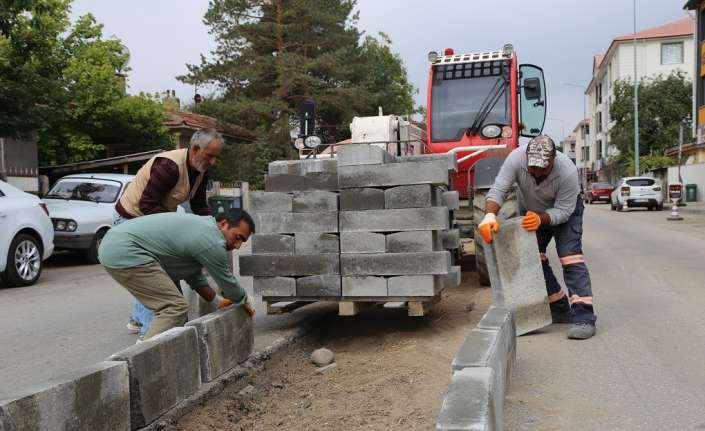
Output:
x=392 y=373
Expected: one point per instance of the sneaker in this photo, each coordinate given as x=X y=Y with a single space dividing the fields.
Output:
x=581 y=331
x=561 y=316
x=133 y=326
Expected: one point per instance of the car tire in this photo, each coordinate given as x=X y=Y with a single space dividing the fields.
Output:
x=92 y=252
x=613 y=207
x=24 y=261
x=659 y=207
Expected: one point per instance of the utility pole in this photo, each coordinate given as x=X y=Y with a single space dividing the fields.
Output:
x=636 y=104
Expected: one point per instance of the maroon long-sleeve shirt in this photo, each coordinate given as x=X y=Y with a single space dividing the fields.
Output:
x=162 y=178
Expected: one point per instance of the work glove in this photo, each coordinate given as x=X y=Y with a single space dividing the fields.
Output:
x=219 y=302
x=487 y=226
x=247 y=305
x=531 y=221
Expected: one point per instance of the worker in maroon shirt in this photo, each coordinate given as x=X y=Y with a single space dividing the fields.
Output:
x=161 y=185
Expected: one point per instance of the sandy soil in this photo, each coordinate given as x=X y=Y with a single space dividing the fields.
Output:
x=392 y=373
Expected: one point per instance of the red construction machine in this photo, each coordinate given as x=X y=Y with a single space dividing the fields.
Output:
x=478 y=106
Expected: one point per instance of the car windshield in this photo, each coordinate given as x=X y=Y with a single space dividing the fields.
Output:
x=458 y=93
x=601 y=186
x=641 y=182
x=85 y=190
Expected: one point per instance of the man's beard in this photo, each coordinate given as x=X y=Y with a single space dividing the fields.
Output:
x=201 y=167
x=539 y=178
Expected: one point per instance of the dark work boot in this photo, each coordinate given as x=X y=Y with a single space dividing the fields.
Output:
x=561 y=316
x=581 y=331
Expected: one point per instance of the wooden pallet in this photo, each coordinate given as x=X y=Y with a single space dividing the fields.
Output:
x=416 y=307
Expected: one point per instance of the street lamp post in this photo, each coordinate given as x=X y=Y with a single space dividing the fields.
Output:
x=562 y=126
x=570 y=84
x=636 y=104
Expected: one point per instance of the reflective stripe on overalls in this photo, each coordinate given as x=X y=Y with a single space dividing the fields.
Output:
x=568 y=237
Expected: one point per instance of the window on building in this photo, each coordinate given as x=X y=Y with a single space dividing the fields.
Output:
x=585 y=131
x=598 y=120
x=598 y=93
x=598 y=149
x=672 y=53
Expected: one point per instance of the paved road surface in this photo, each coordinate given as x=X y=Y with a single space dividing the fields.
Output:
x=76 y=316
x=646 y=367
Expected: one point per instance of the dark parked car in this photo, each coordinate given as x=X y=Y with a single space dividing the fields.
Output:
x=598 y=192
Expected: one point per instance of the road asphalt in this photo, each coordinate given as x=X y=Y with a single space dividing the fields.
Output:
x=645 y=367
x=75 y=316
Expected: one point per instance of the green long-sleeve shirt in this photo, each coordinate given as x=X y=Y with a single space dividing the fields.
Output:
x=182 y=244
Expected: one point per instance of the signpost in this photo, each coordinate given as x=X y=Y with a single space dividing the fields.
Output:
x=675 y=193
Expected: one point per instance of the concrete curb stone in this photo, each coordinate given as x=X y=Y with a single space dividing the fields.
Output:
x=96 y=397
x=157 y=383
x=225 y=339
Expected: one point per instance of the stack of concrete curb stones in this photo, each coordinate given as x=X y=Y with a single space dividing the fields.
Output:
x=366 y=226
x=136 y=386
x=480 y=376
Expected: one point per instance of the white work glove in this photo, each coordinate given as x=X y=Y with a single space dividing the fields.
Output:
x=488 y=226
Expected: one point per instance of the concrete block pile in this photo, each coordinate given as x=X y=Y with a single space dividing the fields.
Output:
x=364 y=226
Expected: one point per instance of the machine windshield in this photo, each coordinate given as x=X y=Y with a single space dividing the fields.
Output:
x=459 y=92
x=85 y=190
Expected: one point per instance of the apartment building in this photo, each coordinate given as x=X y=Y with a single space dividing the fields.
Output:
x=659 y=50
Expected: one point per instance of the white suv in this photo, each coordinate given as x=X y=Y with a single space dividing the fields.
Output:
x=26 y=236
x=645 y=192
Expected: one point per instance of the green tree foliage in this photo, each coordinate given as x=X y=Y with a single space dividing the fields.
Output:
x=663 y=103
x=271 y=55
x=72 y=86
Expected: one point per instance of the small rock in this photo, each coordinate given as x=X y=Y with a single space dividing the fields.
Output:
x=327 y=368
x=247 y=392
x=322 y=357
x=278 y=385
x=469 y=307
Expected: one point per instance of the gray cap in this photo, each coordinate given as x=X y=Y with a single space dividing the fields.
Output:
x=540 y=151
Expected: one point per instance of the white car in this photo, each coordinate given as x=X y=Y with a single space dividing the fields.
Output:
x=82 y=208
x=26 y=237
x=634 y=192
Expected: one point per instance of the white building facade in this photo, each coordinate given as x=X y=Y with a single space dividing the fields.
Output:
x=659 y=51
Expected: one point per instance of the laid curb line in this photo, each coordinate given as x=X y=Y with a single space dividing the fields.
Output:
x=480 y=375
x=212 y=389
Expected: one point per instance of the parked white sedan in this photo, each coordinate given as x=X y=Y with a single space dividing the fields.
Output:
x=633 y=192
x=82 y=208
x=26 y=236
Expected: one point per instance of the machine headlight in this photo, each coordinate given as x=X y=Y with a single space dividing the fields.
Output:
x=491 y=131
x=71 y=226
x=506 y=132
x=60 y=225
x=433 y=56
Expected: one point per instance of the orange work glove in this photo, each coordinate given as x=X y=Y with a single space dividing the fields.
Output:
x=224 y=302
x=531 y=221
x=487 y=226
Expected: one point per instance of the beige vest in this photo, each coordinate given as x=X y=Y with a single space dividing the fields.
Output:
x=181 y=192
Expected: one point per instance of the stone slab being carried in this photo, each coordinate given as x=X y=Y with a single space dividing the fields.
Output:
x=517 y=278
x=92 y=398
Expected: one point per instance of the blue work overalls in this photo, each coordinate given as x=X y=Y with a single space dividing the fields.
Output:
x=569 y=246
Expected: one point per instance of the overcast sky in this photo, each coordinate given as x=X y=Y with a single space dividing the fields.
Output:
x=561 y=36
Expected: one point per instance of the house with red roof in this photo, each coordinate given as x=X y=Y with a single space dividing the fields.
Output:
x=659 y=50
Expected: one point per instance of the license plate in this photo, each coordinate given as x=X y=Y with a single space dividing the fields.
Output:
x=641 y=200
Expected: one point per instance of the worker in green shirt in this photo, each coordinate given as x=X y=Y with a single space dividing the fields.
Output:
x=149 y=255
